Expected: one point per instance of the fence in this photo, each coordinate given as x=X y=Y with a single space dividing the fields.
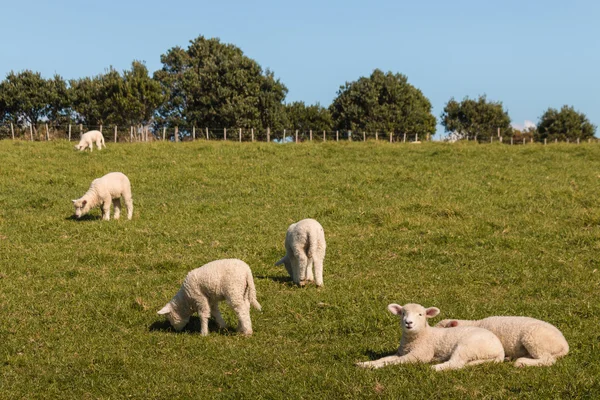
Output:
x=129 y=134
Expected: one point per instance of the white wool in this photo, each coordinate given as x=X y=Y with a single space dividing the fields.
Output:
x=203 y=289
x=528 y=341
x=88 y=139
x=305 y=247
x=109 y=188
x=456 y=348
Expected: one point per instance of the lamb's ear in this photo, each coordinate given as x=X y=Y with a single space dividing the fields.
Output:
x=83 y=203
x=395 y=309
x=166 y=309
x=432 y=312
x=452 y=324
x=73 y=201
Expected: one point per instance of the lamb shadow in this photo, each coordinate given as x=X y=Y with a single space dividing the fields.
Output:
x=373 y=355
x=192 y=327
x=85 y=218
x=279 y=279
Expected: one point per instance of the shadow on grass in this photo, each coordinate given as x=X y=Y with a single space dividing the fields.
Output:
x=278 y=279
x=377 y=355
x=193 y=326
x=84 y=218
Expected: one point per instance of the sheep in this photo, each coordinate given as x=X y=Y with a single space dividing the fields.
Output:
x=528 y=341
x=305 y=247
x=88 y=139
x=420 y=342
x=204 y=287
x=111 y=186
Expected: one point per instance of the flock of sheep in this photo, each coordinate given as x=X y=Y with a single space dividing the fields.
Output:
x=454 y=343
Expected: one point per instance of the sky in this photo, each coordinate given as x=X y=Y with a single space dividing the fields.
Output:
x=528 y=54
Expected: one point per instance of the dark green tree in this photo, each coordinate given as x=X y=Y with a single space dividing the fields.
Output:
x=302 y=117
x=142 y=96
x=25 y=97
x=564 y=124
x=475 y=117
x=213 y=84
x=383 y=102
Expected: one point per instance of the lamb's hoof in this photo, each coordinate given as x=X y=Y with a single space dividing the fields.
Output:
x=365 y=364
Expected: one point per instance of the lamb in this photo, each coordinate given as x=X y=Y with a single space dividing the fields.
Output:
x=528 y=341
x=204 y=287
x=305 y=247
x=420 y=342
x=88 y=139
x=111 y=186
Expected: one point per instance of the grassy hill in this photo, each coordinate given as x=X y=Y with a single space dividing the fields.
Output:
x=475 y=230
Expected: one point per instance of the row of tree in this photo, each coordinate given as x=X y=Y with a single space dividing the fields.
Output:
x=212 y=84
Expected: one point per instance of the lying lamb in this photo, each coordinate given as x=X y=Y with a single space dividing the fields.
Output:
x=111 y=186
x=204 y=287
x=305 y=247
x=420 y=342
x=528 y=341
x=89 y=138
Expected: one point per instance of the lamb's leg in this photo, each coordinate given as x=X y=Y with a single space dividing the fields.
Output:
x=216 y=313
x=203 y=309
x=389 y=360
x=461 y=357
x=91 y=146
x=117 y=207
x=318 y=263
x=242 y=310
x=295 y=270
x=543 y=361
x=129 y=204
x=309 y=271
x=302 y=262
x=106 y=209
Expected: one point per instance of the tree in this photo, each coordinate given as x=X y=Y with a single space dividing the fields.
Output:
x=26 y=97
x=565 y=124
x=478 y=117
x=383 y=102
x=303 y=117
x=112 y=98
x=212 y=84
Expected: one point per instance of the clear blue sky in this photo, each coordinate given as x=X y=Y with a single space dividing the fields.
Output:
x=530 y=55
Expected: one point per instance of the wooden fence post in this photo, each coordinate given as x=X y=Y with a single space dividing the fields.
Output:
x=349 y=136
x=12 y=131
x=404 y=138
x=176 y=134
x=225 y=134
x=567 y=140
x=416 y=137
x=100 y=128
x=283 y=140
x=164 y=133
x=523 y=140
x=194 y=133
x=69 y=132
x=337 y=136
x=206 y=133
x=391 y=136
x=324 y=139
x=364 y=136
x=31 y=131
x=47 y=133
x=240 y=135
x=252 y=133
x=310 y=133
x=545 y=141
x=491 y=139
x=577 y=138
x=511 y=140
x=115 y=133
x=268 y=134
x=555 y=140
x=376 y=136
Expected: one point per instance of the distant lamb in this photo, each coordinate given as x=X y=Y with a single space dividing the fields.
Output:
x=204 y=287
x=422 y=343
x=88 y=139
x=528 y=341
x=305 y=247
x=111 y=186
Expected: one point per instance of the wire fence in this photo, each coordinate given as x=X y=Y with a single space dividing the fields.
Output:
x=129 y=134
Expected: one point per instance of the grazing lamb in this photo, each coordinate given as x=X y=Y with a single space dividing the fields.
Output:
x=89 y=138
x=204 y=287
x=111 y=186
x=305 y=247
x=420 y=342
x=528 y=341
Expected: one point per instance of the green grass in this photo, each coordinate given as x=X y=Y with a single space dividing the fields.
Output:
x=475 y=230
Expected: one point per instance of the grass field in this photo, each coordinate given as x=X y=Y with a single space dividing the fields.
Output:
x=475 y=230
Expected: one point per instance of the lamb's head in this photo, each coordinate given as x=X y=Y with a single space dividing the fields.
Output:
x=287 y=263
x=82 y=207
x=413 y=317
x=447 y=323
x=79 y=147
x=177 y=319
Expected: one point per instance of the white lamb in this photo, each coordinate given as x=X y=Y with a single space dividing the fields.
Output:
x=111 y=186
x=420 y=342
x=88 y=139
x=305 y=247
x=528 y=341
x=204 y=287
